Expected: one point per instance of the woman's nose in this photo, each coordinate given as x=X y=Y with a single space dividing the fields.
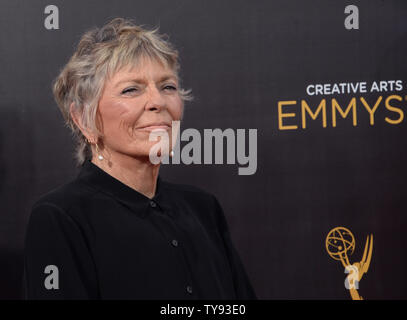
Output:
x=156 y=100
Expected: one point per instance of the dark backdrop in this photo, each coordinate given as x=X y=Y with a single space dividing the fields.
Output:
x=240 y=58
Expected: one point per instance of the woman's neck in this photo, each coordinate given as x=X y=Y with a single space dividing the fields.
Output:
x=139 y=174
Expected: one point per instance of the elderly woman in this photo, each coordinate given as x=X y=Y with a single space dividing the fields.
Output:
x=118 y=231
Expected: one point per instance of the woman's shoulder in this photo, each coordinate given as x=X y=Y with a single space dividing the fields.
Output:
x=64 y=196
x=188 y=191
x=52 y=211
x=202 y=202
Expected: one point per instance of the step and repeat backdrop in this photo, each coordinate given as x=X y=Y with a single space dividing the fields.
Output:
x=311 y=97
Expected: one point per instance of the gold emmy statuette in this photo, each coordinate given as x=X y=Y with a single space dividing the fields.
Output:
x=340 y=243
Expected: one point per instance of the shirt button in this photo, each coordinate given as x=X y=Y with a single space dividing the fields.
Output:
x=174 y=243
x=189 y=289
x=153 y=204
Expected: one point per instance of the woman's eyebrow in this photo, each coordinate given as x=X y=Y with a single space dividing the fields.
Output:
x=143 y=80
x=168 y=77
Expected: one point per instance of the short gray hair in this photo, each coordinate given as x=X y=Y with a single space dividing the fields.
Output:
x=100 y=53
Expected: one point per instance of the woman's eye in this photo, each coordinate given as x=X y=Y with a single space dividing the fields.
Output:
x=170 y=87
x=130 y=90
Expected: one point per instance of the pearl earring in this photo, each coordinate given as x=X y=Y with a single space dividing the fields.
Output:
x=171 y=153
x=100 y=157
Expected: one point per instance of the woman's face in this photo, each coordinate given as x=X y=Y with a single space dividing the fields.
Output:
x=134 y=102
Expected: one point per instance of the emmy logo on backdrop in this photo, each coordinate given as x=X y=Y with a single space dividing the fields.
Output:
x=340 y=244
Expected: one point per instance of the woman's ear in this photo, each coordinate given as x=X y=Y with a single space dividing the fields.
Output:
x=77 y=119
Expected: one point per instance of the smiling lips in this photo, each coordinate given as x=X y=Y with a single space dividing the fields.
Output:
x=153 y=126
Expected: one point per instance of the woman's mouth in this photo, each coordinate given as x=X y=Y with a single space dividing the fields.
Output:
x=150 y=128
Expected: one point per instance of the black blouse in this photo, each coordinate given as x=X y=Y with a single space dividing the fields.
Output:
x=108 y=241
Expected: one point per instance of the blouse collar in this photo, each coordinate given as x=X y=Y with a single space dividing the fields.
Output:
x=134 y=200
